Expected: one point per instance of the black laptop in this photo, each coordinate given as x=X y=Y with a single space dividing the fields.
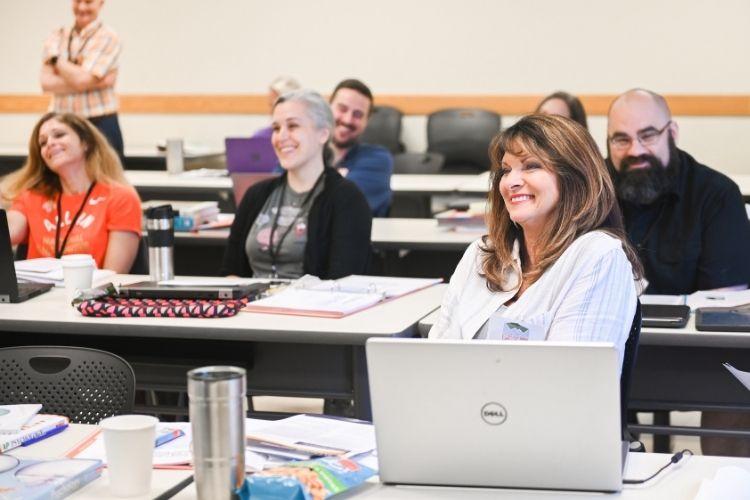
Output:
x=11 y=291
x=154 y=290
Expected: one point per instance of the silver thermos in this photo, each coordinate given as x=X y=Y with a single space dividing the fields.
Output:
x=217 y=416
x=160 y=227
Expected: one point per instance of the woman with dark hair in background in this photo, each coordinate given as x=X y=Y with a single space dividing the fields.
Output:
x=555 y=261
x=563 y=104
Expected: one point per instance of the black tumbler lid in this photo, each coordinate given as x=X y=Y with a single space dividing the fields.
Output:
x=160 y=212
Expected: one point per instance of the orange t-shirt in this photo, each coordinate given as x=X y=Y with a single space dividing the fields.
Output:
x=110 y=207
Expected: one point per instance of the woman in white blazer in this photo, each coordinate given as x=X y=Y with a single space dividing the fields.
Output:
x=555 y=263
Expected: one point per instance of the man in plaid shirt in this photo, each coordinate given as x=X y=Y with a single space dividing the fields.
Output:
x=80 y=70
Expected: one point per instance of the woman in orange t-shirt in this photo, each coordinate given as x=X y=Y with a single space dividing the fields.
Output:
x=71 y=196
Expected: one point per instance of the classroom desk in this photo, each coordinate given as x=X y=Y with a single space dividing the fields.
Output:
x=201 y=252
x=284 y=355
x=387 y=234
x=680 y=369
x=676 y=483
x=418 y=184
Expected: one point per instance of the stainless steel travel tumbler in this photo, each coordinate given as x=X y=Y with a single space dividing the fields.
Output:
x=217 y=414
x=160 y=227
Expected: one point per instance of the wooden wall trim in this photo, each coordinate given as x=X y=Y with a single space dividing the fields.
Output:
x=253 y=104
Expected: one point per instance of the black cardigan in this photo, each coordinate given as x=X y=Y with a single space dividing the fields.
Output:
x=338 y=229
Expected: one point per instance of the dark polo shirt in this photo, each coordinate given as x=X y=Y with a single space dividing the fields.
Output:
x=696 y=236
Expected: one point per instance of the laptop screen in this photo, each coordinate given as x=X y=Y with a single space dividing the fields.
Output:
x=250 y=155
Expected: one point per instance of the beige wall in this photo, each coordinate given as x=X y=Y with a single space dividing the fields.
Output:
x=403 y=47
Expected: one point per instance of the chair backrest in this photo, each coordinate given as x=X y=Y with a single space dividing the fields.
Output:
x=463 y=136
x=140 y=264
x=418 y=163
x=384 y=128
x=628 y=365
x=86 y=385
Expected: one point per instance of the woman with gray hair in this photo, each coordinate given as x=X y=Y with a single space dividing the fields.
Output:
x=309 y=220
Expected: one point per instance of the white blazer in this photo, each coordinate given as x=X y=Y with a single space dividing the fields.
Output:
x=589 y=294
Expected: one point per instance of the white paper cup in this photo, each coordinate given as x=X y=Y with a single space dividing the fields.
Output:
x=129 y=445
x=78 y=272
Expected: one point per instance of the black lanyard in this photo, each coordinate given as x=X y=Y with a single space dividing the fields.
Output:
x=274 y=252
x=60 y=249
x=83 y=45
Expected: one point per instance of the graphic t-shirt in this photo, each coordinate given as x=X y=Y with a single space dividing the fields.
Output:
x=110 y=207
x=290 y=253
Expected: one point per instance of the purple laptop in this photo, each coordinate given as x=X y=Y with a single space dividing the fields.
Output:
x=250 y=155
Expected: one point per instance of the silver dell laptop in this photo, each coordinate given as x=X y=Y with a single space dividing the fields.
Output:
x=497 y=413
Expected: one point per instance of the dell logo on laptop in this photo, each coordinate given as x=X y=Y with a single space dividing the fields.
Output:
x=494 y=413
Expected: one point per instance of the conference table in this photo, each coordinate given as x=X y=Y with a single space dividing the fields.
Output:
x=681 y=369
x=678 y=482
x=283 y=354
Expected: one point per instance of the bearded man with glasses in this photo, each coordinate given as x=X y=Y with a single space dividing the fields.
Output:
x=687 y=221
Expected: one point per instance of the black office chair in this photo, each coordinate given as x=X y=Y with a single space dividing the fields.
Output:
x=628 y=365
x=463 y=136
x=418 y=163
x=140 y=264
x=86 y=385
x=384 y=128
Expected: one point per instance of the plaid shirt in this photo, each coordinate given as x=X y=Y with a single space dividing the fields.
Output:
x=96 y=49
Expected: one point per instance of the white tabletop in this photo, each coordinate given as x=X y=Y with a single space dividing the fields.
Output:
x=400 y=183
x=387 y=234
x=51 y=313
x=427 y=184
x=687 y=336
x=678 y=482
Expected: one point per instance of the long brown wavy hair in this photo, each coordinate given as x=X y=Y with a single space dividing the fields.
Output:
x=587 y=197
x=102 y=163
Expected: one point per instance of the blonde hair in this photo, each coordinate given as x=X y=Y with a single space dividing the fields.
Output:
x=102 y=163
x=587 y=197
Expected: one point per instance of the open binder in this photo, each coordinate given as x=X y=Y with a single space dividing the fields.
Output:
x=310 y=296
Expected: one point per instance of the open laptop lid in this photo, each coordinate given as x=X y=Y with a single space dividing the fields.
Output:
x=249 y=155
x=489 y=413
x=153 y=290
x=10 y=291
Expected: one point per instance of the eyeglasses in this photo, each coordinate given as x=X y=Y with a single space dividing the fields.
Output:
x=647 y=137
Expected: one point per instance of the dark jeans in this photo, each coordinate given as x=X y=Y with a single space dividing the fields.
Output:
x=110 y=127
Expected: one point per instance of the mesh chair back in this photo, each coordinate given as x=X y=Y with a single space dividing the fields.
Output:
x=463 y=136
x=384 y=128
x=86 y=385
x=418 y=163
x=628 y=365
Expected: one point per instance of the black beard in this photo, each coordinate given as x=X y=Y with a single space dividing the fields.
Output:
x=644 y=186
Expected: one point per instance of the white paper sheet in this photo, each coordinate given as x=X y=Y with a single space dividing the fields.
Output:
x=353 y=437
x=743 y=377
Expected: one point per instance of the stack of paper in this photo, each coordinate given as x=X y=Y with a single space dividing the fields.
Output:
x=49 y=270
x=189 y=215
x=305 y=436
x=14 y=417
x=310 y=296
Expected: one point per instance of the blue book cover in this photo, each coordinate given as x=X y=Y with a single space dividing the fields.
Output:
x=45 y=479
